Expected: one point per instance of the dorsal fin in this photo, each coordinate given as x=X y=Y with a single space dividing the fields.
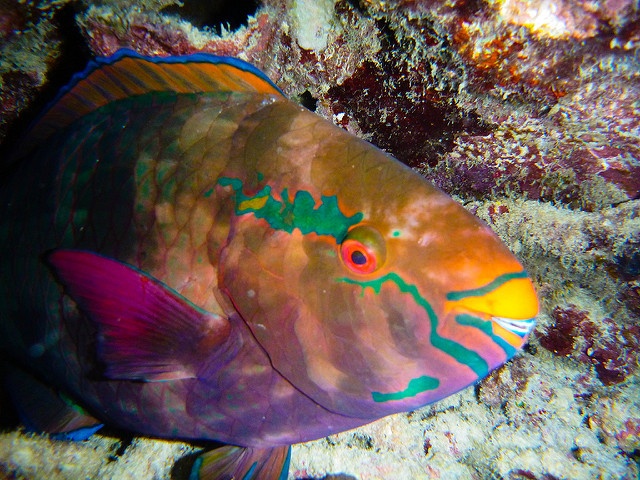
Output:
x=127 y=73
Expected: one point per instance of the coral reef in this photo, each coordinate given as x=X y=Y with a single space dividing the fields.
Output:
x=528 y=112
x=34 y=457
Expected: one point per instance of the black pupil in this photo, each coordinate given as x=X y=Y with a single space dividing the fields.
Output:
x=358 y=258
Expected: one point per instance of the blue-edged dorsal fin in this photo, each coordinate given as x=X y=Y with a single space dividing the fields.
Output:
x=127 y=73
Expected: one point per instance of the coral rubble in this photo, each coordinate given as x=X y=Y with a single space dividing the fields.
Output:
x=528 y=112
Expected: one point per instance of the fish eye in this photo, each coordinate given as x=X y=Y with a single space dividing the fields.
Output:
x=363 y=250
x=359 y=258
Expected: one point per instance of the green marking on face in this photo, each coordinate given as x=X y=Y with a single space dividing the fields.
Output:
x=462 y=354
x=416 y=386
x=478 y=292
x=396 y=233
x=486 y=326
x=300 y=212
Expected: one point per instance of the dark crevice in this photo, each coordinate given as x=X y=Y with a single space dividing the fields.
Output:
x=215 y=14
x=308 y=101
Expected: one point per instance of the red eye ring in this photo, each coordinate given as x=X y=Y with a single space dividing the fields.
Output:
x=358 y=257
x=363 y=250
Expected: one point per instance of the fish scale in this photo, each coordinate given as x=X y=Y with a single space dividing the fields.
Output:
x=207 y=260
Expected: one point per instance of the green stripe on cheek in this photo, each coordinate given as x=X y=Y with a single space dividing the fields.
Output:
x=462 y=354
x=486 y=326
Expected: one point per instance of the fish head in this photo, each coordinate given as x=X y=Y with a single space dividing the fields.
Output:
x=384 y=295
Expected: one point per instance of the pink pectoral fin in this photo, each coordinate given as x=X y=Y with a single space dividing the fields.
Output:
x=148 y=331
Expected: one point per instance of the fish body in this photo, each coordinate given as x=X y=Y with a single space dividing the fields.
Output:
x=188 y=254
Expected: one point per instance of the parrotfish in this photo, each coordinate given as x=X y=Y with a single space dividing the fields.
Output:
x=188 y=254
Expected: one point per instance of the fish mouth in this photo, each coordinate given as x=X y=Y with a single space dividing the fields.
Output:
x=509 y=301
x=522 y=328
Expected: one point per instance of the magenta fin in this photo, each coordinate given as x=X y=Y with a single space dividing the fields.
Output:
x=147 y=330
x=42 y=409
x=230 y=462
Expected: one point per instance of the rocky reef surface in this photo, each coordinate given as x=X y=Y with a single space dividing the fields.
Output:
x=526 y=111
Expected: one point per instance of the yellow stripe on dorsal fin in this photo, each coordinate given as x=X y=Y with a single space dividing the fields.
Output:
x=127 y=74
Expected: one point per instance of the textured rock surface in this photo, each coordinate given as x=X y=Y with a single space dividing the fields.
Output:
x=527 y=112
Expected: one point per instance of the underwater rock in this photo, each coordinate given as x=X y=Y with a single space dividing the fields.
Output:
x=528 y=112
x=29 y=41
x=611 y=349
